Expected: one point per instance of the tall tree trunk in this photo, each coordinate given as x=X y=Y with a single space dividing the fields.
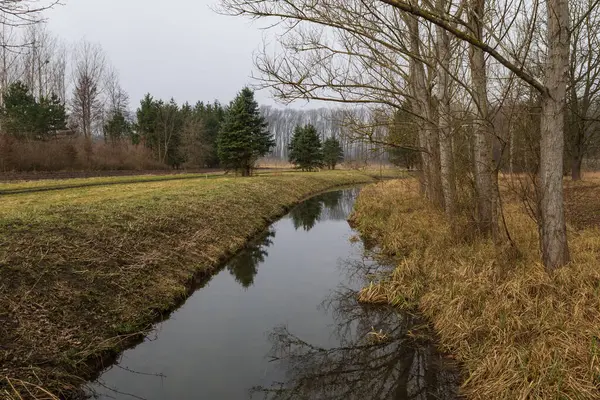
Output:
x=416 y=72
x=484 y=168
x=246 y=170
x=423 y=107
x=576 y=162
x=553 y=232
x=445 y=129
x=511 y=148
x=436 y=194
x=576 y=131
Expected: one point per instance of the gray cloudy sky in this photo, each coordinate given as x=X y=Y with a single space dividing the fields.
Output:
x=170 y=48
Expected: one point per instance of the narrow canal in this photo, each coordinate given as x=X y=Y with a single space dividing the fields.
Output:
x=281 y=321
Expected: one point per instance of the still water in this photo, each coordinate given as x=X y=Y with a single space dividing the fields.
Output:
x=281 y=321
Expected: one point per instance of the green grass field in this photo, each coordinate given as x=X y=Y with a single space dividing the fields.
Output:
x=88 y=264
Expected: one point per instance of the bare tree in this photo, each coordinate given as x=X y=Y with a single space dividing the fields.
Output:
x=584 y=84
x=24 y=12
x=485 y=173
x=43 y=62
x=553 y=234
x=10 y=61
x=371 y=25
x=88 y=75
x=444 y=120
x=26 y=51
x=117 y=99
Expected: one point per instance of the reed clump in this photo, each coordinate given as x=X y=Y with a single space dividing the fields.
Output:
x=519 y=332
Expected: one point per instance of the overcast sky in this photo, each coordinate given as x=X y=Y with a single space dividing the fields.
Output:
x=169 y=48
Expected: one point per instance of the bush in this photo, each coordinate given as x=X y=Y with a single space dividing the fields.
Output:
x=73 y=153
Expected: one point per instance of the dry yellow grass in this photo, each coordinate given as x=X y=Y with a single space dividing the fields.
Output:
x=85 y=270
x=519 y=332
x=274 y=163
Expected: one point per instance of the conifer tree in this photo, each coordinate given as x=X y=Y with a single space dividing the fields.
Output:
x=333 y=153
x=25 y=117
x=243 y=137
x=117 y=128
x=305 y=149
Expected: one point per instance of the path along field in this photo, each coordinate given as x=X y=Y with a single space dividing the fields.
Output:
x=518 y=332
x=86 y=265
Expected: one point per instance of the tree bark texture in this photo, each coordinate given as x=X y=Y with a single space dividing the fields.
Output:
x=484 y=169
x=553 y=233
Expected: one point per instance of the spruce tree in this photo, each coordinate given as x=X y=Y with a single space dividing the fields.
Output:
x=243 y=137
x=20 y=111
x=305 y=149
x=332 y=152
x=212 y=116
x=25 y=117
x=147 y=117
x=53 y=115
x=117 y=128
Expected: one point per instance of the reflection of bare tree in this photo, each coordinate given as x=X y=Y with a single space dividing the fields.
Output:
x=370 y=266
x=244 y=266
x=381 y=355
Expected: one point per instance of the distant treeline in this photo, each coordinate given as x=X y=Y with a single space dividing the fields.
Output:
x=161 y=134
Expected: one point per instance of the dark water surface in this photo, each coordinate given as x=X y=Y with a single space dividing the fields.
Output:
x=281 y=321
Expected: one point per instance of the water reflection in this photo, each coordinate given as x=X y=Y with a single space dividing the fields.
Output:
x=382 y=354
x=306 y=214
x=219 y=343
x=328 y=206
x=244 y=266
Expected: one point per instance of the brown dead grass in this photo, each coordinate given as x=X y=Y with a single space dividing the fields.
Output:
x=519 y=332
x=582 y=203
x=73 y=153
x=85 y=270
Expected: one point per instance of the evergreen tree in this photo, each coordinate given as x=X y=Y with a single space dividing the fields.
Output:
x=23 y=116
x=212 y=116
x=20 y=111
x=305 y=149
x=332 y=152
x=243 y=137
x=117 y=128
x=52 y=115
x=146 y=128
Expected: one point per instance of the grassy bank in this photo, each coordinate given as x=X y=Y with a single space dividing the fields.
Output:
x=84 y=270
x=519 y=332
